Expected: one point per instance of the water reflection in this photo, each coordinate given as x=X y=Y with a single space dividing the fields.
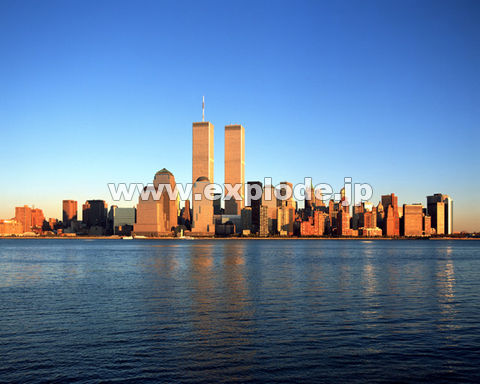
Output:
x=247 y=311
x=221 y=314
x=445 y=279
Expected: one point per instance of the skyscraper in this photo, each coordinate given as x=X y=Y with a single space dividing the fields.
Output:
x=157 y=217
x=203 y=222
x=448 y=215
x=24 y=215
x=202 y=151
x=186 y=215
x=285 y=220
x=234 y=165
x=254 y=200
x=95 y=213
x=391 y=221
x=263 y=230
x=310 y=201
x=343 y=223
x=412 y=220
x=270 y=201
x=70 y=212
x=37 y=219
x=440 y=209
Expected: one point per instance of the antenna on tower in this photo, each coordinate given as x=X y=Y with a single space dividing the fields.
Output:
x=203 y=108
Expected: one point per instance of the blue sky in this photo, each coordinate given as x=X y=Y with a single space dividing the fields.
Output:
x=386 y=92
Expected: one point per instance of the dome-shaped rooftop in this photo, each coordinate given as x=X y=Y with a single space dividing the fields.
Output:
x=164 y=171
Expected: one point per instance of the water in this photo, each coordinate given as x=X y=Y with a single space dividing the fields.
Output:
x=239 y=311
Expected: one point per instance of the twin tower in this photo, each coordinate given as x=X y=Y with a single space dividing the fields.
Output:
x=203 y=160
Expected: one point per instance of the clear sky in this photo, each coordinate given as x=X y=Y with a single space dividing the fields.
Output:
x=386 y=92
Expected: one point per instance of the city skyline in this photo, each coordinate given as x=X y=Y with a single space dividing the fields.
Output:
x=402 y=118
x=158 y=213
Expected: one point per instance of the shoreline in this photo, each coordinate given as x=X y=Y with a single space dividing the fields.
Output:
x=235 y=238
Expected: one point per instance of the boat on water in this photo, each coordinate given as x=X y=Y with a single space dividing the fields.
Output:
x=127 y=238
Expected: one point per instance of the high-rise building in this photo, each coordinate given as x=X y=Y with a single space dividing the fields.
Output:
x=391 y=220
x=333 y=209
x=358 y=216
x=440 y=209
x=24 y=215
x=427 y=226
x=389 y=200
x=95 y=213
x=234 y=166
x=448 y=201
x=186 y=215
x=70 y=212
x=203 y=220
x=247 y=219
x=343 y=223
x=285 y=220
x=202 y=151
x=380 y=215
x=254 y=200
x=270 y=201
x=263 y=227
x=315 y=225
x=309 y=202
x=370 y=218
x=157 y=217
x=37 y=219
x=285 y=209
x=412 y=220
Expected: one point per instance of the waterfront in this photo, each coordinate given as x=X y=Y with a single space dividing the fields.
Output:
x=245 y=311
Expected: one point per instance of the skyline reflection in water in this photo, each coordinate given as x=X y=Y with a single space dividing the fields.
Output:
x=234 y=310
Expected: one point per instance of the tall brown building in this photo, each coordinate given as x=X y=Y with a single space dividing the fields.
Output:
x=285 y=220
x=285 y=209
x=263 y=227
x=235 y=165
x=24 y=215
x=333 y=209
x=203 y=221
x=37 y=218
x=343 y=223
x=202 y=151
x=270 y=201
x=412 y=219
x=427 y=228
x=157 y=217
x=315 y=225
x=370 y=218
x=391 y=222
x=70 y=212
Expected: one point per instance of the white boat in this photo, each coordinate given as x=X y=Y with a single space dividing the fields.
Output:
x=127 y=238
